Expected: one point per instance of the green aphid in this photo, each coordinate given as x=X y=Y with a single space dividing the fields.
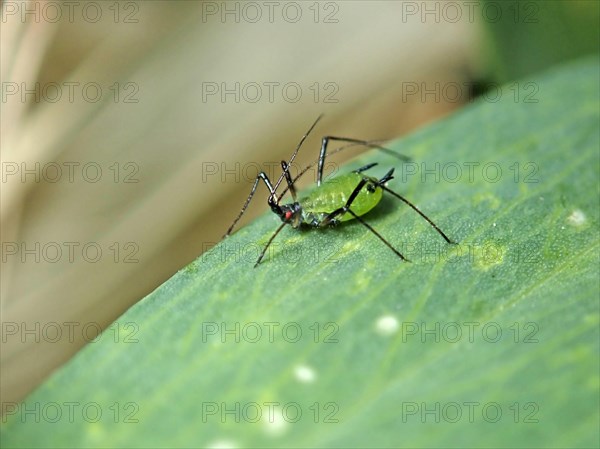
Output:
x=343 y=198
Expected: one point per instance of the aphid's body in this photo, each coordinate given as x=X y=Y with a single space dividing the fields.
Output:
x=334 y=194
x=343 y=198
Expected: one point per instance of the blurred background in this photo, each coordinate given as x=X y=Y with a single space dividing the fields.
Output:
x=131 y=132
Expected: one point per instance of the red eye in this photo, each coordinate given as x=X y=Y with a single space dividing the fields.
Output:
x=288 y=215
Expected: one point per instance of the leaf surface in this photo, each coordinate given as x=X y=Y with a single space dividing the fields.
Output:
x=490 y=343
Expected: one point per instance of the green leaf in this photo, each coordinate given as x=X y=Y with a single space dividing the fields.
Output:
x=505 y=322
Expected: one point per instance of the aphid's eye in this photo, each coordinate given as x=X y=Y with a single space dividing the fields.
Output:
x=288 y=214
x=371 y=188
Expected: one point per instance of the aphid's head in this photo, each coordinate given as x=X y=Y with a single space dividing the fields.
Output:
x=290 y=214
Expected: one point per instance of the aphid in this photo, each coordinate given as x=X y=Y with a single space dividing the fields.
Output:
x=343 y=198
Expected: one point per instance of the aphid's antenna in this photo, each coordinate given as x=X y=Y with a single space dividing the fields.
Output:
x=294 y=155
x=288 y=178
x=262 y=254
x=401 y=198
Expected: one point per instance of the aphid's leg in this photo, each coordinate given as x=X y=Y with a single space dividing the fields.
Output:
x=383 y=180
x=288 y=179
x=272 y=199
x=365 y=143
x=378 y=235
x=262 y=254
x=337 y=150
x=346 y=209
x=342 y=210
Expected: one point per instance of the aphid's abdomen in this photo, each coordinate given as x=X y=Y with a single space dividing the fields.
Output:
x=333 y=194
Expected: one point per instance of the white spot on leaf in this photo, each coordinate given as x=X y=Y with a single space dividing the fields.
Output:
x=305 y=374
x=577 y=218
x=275 y=423
x=387 y=325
